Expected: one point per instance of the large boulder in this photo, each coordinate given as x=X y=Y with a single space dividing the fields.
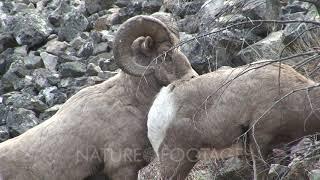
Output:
x=33 y=61
x=15 y=72
x=50 y=61
x=268 y=48
x=56 y=47
x=73 y=23
x=24 y=100
x=19 y=120
x=52 y=96
x=93 y=6
x=220 y=49
x=4 y=133
x=7 y=40
x=72 y=69
x=221 y=13
x=149 y=6
x=29 y=27
x=182 y=8
x=42 y=78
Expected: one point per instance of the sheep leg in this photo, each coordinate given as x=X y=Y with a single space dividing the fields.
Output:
x=259 y=150
x=175 y=164
x=125 y=168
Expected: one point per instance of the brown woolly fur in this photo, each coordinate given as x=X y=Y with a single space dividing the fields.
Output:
x=102 y=128
x=216 y=109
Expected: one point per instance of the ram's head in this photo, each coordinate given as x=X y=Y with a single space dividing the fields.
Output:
x=143 y=38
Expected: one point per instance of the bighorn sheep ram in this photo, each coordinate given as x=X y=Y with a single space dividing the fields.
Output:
x=214 y=110
x=103 y=127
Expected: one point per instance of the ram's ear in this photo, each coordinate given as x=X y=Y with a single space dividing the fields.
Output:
x=129 y=37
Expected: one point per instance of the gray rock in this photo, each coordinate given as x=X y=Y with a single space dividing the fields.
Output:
x=182 y=8
x=7 y=41
x=108 y=64
x=44 y=78
x=6 y=7
x=18 y=7
x=70 y=86
x=3 y=64
x=107 y=36
x=4 y=133
x=125 y=13
x=122 y=3
x=92 y=19
x=106 y=74
x=268 y=48
x=76 y=82
x=49 y=112
x=52 y=37
x=3 y=114
x=29 y=28
x=28 y=81
x=220 y=13
x=32 y=61
x=101 y=48
x=307 y=38
x=93 y=70
x=13 y=78
x=77 y=42
x=254 y=9
x=301 y=148
x=211 y=52
x=314 y=174
x=56 y=47
x=297 y=170
x=195 y=53
x=73 y=23
x=100 y=57
x=7 y=55
x=57 y=10
x=96 y=37
x=72 y=69
x=50 y=61
x=30 y=90
x=21 y=50
x=93 y=6
x=234 y=168
x=294 y=8
x=68 y=58
x=277 y=171
x=189 y=24
x=14 y=61
x=151 y=6
x=52 y=96
x=23 y=100
x=19 y=120
x=86 y=50
x=10 y=81
x=208 y=13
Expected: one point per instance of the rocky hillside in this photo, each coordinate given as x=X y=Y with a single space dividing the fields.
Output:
x=50 y=49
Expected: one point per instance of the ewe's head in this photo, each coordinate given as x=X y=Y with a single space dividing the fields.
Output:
x=143 y=38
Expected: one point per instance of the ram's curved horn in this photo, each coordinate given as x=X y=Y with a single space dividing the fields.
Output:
x=131 y=30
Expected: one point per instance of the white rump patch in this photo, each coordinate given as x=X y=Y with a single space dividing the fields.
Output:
x=161 y=114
